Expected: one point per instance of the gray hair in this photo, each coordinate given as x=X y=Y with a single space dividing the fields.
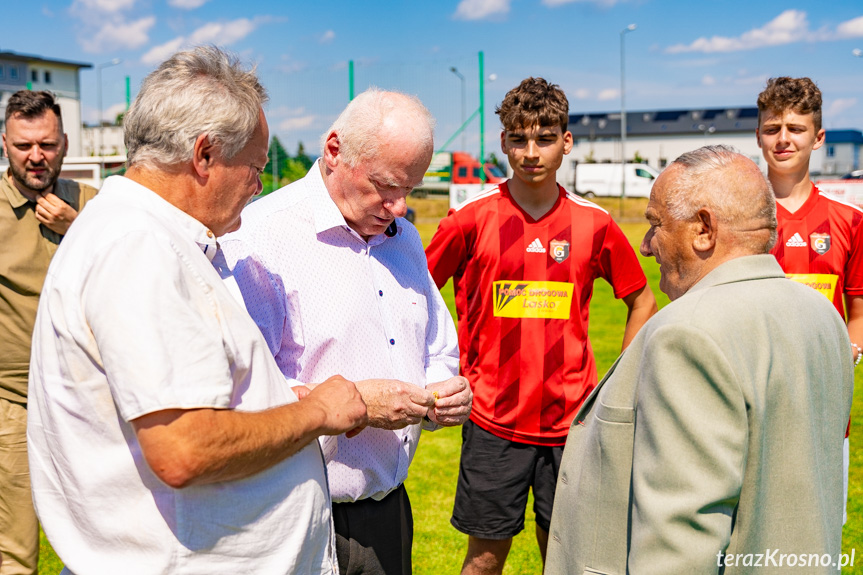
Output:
x=200 y=91
x=363 y=119
x=730 y=185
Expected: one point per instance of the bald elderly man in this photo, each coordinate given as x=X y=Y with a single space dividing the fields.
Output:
x=714 y=443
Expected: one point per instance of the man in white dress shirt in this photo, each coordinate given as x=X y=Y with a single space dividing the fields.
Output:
x=337 y=281
x=162 y=436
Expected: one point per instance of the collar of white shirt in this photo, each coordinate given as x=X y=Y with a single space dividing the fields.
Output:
x=185 y=224
x=326 y=213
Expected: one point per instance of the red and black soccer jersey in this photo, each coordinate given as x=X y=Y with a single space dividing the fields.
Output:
x=821 y=245
x=522 y=291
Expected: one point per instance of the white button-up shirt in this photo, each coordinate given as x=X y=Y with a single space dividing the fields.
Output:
x=328 y=303
x=134 y=319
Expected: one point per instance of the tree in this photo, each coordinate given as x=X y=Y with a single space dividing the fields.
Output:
x=302 y=158
x=492 y=159
x=281 y=156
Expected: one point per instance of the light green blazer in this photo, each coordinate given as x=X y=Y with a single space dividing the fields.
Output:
x=719 y=430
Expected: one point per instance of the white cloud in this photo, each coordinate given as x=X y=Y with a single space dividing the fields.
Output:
x=608 y=94
x=582 y=94
x=297 y=123
x=112 y=111
x=836 y=107
x=118 y=34
x=480 y=9
x=554 y=3
x=222 y=33
x=708 y=80
x=327 y=37
x=109 y=6
x=187 y=4
x=284 y=111
x=851 y=28
x=790 y=26
x=160 y=53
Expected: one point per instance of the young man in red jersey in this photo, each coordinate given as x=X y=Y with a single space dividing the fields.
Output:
x=820 y=240
x=524 y=256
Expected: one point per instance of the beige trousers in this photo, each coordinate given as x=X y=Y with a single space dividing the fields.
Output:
x=19 y=529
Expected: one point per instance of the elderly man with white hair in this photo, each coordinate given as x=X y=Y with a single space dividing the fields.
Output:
x=337 y=281
x=714 y=443
x=162 y=436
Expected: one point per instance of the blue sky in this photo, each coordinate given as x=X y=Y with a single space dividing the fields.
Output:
x=683 y=53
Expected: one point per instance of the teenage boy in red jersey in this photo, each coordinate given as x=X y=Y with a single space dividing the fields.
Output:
x=524 y=256
x=820 y=240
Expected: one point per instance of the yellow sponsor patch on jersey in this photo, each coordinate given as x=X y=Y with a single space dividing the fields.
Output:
x=824 y=283
x=532 y=299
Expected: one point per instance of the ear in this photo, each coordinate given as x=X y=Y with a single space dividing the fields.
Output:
x=65 y=144
x=819 y=139
x=503 y=142
x=704 y=231
x=331 y=150
x=758 y=136
x=5 y=153
x=567 y=142
x=203 y=156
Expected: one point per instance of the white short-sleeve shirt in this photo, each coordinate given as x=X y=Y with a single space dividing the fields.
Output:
x=134 y=319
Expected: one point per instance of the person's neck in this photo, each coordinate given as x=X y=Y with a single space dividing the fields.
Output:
x=791 y=190
x=536 y=200
x=27 y=192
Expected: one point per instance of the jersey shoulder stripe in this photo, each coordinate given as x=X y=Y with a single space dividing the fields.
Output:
x=840 y=202
x=576 y=199
x=483 y=195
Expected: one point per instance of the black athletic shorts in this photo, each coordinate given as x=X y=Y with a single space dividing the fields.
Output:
x=494 y=477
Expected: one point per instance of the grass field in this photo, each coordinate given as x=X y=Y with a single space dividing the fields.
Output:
x=438 y=547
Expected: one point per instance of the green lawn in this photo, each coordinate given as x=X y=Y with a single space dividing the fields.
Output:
x=438 y=547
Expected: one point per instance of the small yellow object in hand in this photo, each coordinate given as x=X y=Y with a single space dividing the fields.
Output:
x=436 y=396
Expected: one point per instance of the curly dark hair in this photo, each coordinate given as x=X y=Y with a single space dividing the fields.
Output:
x=800 y=95
x=534 y=102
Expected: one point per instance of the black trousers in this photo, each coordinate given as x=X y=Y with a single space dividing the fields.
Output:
x=375 y=537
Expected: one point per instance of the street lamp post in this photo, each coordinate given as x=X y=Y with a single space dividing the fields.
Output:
x=623 y=32
x=99 y=67
x=455 y=71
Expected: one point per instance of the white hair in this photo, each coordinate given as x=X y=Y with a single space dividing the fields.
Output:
x=200 y=91
x=359 y=125
x=729 y=184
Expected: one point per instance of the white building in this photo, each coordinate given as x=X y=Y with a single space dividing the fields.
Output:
x=22 y=71
x=659 y=136
x=105 y=140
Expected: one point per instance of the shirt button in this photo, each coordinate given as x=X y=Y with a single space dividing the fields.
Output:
x=381 y=292
x=209 y=234
x=392 y=342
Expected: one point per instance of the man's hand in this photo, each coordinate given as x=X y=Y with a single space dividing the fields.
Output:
x=341 y=401
x=394 y=404
x=454 y=401
x=54 y=213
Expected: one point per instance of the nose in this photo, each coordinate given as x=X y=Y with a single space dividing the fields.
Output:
x=397 y=207
x=783 y=134
x=645 y=244
x=531 y=150
x=35 y=156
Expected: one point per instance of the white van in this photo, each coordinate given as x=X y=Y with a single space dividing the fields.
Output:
x=603 y=180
